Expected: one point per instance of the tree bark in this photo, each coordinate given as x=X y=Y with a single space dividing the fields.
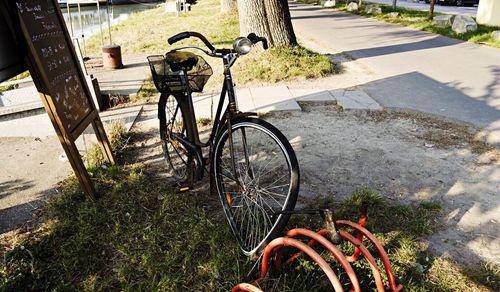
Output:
x=280 y=23
x=253 y=17
x=268 y=18
x=431 y=9
x=228 y=5
x=394 y=4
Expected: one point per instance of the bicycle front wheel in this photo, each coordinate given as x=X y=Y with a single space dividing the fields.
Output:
x=256 y=176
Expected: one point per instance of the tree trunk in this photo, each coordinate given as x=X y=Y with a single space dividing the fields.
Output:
x=280 y=23
x=268 y=18
x=394 y=4
x=431 y=9
x=228 y=5
x=253 y=17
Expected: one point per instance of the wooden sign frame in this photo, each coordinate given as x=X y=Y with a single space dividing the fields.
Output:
x=66 y=96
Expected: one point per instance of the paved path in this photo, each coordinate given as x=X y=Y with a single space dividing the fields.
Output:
x=449 y=9
x=125 y=82
x=413 y=70
x=282 y=98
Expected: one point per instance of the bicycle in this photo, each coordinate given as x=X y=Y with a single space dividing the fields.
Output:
x=252 y=166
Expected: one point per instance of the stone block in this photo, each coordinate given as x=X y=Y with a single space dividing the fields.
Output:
x=443 y=21
x=463 y=24
x=496 y=35
x=373 y=9
x=329 y=4
x=393 y=14
x=352 y=6
x=355 y=100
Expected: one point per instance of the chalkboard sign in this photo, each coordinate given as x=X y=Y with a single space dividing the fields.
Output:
x=12 y=53
x=54 y=52
x=53 y=64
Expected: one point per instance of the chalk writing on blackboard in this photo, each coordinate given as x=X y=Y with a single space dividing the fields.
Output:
x=60 y=67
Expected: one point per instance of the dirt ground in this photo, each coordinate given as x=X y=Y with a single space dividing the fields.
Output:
x=30 y=168
x=405 y=157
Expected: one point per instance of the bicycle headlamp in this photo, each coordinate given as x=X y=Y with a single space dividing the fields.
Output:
x=242 y=45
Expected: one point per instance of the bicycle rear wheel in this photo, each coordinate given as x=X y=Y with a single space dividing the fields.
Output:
x=180 y=164
x=260 y=179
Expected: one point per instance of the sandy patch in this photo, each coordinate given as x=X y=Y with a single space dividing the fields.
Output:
x=406 y=158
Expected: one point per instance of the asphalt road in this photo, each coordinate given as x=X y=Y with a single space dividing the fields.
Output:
x=450 y=9
x=413 y=69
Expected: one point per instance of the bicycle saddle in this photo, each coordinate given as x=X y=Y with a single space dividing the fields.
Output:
x=181 y=60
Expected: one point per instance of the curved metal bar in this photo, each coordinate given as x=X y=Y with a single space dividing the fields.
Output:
x=378 y=246
x=284 y=241
x=245 y=287
x=318 y=238
x=359 y=236
x=368 y=256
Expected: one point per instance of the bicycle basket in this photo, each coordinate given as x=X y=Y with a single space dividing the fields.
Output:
x=168 y=76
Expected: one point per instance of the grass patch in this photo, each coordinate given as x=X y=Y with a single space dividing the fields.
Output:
x=418 y=19
x=136 y=237
x=117 y=136
x=141 y=236
x=402 y=230
x=147 y=32
x=202 y=122
x=147 y=93
x=279 y=64
x=14 y=86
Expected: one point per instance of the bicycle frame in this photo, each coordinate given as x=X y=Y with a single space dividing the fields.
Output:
x=192 y=140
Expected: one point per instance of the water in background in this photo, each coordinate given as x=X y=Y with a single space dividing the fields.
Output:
x=88 y=24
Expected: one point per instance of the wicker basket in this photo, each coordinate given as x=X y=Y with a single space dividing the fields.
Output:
x=168 y=74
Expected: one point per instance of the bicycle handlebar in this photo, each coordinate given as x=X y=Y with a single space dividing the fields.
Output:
x=213 y=51
x=255 y=39
x=188 y=34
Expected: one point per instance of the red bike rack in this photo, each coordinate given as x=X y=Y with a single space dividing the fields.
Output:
x=274 y=248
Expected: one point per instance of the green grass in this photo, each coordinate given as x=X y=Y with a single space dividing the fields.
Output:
x=419 y=20
x=118 y=138
x=147 y=32
x=141 y=236
x=14 y=86
x=137 y=236
x=147 y=93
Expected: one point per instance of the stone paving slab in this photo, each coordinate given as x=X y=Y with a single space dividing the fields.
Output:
x=19 y=96
x=282 y=106
x=275 y=92
x=40 y=125
x=273 y=98
x=206 y=104
x=255 y=99
x=21 y=110
x=313 y=96
x=355 y=100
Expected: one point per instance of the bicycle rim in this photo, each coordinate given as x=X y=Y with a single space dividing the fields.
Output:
x=179 y=162
x=262 y=179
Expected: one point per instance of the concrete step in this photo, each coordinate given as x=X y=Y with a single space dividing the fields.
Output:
x=21 y=110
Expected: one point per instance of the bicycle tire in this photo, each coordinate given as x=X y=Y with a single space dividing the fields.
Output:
x=255 y=194
x=180 y=164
